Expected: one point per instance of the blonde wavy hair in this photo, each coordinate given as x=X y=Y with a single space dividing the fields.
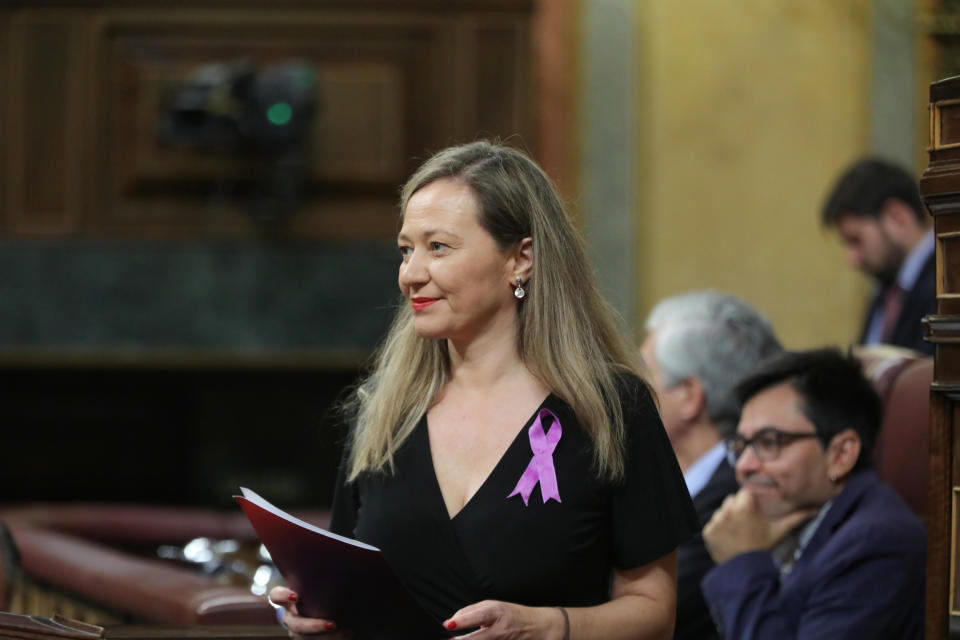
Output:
x=568 y=334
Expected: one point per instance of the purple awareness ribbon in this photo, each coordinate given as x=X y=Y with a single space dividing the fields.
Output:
x=541 y=468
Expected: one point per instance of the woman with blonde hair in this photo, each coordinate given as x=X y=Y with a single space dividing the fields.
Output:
x=507 y=456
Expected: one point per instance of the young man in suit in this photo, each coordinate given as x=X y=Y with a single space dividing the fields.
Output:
x=698 y=345
x=813 y=545
x=876 y=209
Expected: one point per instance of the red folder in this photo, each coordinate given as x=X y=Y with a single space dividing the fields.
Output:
x=338 y=578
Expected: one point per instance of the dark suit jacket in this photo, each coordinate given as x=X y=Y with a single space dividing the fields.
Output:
x=920 y=301
x=693 y=561
x=861 y=576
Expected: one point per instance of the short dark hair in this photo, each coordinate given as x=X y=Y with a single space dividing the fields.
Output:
x=835 y=395
x=865 y=186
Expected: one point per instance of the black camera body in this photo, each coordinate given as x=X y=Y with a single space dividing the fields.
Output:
x=239 y=108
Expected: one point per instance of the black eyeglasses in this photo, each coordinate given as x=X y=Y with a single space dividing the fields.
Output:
x=766 y=443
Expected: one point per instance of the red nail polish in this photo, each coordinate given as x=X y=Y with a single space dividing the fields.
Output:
x=450 y=624
x=293 y=597
x=328 y=626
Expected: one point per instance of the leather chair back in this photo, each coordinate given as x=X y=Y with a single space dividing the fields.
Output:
x=902 y=450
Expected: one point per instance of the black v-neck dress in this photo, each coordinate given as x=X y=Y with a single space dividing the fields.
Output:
x=558 y=553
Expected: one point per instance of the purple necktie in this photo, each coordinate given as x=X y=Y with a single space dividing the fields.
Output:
x=892 y=302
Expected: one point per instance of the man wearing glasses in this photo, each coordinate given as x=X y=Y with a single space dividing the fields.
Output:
x=699 y=344
x=813 y=545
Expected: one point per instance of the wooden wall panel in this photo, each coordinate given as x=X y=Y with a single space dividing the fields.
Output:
x=395 y=83
x=948 y=245
x=503 y=61
x=44 y=99
x=556 y=85
x=939 y=511
x=359 y=133
x=5 y=122
x=369 y=77
x=945 y=124
x=940 y=186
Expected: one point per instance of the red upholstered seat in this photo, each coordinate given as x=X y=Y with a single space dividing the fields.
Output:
x=65 y=546
x=149 y=589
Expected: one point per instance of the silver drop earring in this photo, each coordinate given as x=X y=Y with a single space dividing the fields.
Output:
x=518 y=293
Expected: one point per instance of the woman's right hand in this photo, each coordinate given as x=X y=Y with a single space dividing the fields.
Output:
x=297 y=625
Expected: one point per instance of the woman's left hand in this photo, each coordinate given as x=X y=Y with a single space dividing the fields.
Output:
x=503 y=620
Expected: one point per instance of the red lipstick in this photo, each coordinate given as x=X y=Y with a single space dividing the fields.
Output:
x=422 y=303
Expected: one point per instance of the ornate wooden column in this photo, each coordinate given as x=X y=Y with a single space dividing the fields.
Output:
x=940 y=187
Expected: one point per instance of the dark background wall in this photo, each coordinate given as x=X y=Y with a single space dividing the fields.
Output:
x=179 y=312
x=175 y=372
x=196 y=294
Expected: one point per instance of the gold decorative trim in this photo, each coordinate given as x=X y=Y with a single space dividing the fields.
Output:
x=941 y=329
x=931 y=111
x=945 y=387
x=941 y=253
x=38 y=599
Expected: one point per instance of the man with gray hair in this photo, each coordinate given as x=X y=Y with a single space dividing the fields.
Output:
x=698 y=346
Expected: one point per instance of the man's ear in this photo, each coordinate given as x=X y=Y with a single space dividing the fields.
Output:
x=842 y=454
x=522 y=260
x=896 y=217
x=693 y=400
